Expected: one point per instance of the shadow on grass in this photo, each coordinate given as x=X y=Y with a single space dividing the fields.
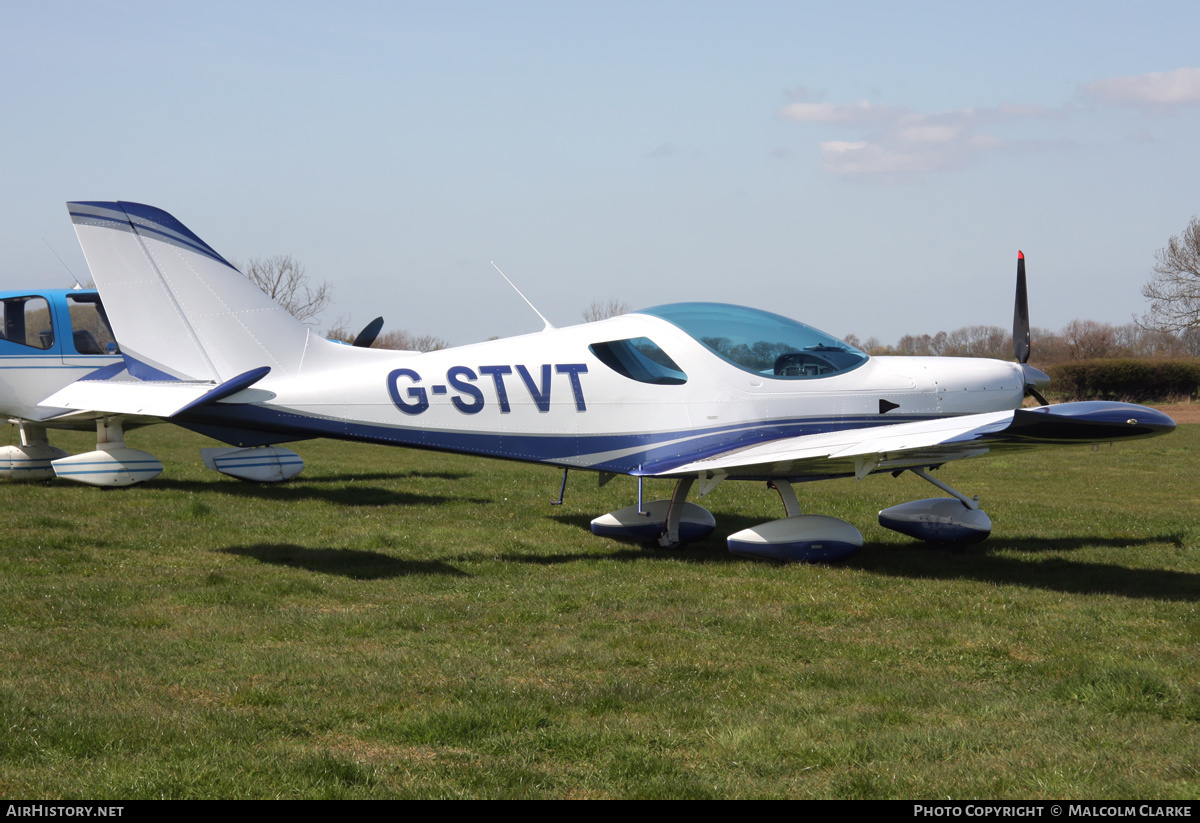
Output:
x=608 y=548
x=353 y=563
x=350 y=495
x=922 y=561
x=1054 y=573
x=397 y=475
x=1033 y=545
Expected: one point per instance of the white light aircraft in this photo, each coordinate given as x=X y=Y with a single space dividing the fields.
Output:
x=49 y=338
x=698 y=392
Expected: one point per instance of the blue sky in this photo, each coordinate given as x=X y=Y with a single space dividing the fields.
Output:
x=867 y=168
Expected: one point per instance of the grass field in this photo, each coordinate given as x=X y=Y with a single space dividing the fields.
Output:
x=406 y=624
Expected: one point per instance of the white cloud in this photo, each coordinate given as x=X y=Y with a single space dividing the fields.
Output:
x=899 y=143
x=858 y=114
x=866 y=159
x=926 y=132
x=891 y=143
x=1160 y=89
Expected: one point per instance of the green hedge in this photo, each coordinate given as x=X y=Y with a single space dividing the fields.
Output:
x=1125 y=379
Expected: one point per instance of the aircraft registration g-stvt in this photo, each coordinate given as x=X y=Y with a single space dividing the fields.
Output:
x=699 y=392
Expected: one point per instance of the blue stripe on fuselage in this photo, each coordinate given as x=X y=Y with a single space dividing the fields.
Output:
x=654 y=452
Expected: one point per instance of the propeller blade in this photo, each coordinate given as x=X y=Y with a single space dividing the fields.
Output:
x=1020 y=335
x=367 y=336
x=1036 y=380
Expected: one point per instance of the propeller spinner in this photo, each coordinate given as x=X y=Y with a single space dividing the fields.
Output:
x=1035 y=379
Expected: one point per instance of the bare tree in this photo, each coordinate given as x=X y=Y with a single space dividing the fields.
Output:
x=1174 y=290
x=872 y=346
x=603 y=311
x=405 y=341
x=979 y=341
x=284 y=280
x=1089 y=340
x=922 y=345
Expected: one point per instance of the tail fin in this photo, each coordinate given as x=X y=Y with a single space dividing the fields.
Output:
x=178 y=309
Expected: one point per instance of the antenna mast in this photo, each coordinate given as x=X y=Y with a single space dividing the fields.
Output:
x=549 y=325
x=78 y=285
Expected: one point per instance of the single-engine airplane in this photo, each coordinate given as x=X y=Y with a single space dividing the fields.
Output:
x=49 y=338
x=699 y=392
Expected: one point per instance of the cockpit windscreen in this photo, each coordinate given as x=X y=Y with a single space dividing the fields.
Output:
x=761 y=342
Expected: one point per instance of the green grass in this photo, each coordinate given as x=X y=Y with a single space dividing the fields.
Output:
x=397 y=623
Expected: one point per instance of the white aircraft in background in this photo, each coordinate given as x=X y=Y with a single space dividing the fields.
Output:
x=700 y=392
x=49 y=338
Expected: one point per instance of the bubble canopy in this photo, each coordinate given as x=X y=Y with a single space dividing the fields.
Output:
x=760 y=342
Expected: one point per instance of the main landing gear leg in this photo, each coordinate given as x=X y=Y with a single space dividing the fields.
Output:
x=970 y=502
x=670 y=533
x=791 y=506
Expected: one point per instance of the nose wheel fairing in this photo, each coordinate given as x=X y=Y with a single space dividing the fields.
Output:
x=938 y=520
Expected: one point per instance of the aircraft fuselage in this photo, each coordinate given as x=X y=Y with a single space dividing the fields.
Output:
x=548 y=397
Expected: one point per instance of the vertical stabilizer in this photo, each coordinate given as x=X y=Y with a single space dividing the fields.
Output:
x=179 y=309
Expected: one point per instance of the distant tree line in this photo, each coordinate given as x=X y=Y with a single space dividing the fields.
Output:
x=1078 y=340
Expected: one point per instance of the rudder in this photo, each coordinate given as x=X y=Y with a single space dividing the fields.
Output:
x=178 y=309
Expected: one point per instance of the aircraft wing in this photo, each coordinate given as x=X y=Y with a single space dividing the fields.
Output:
x=860 y=451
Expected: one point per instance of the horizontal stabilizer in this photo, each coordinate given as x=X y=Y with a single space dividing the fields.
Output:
x=153 y=399
x=230 y=387
x=165 y=398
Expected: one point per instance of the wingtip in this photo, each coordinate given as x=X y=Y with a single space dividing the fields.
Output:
x=1020 y=254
